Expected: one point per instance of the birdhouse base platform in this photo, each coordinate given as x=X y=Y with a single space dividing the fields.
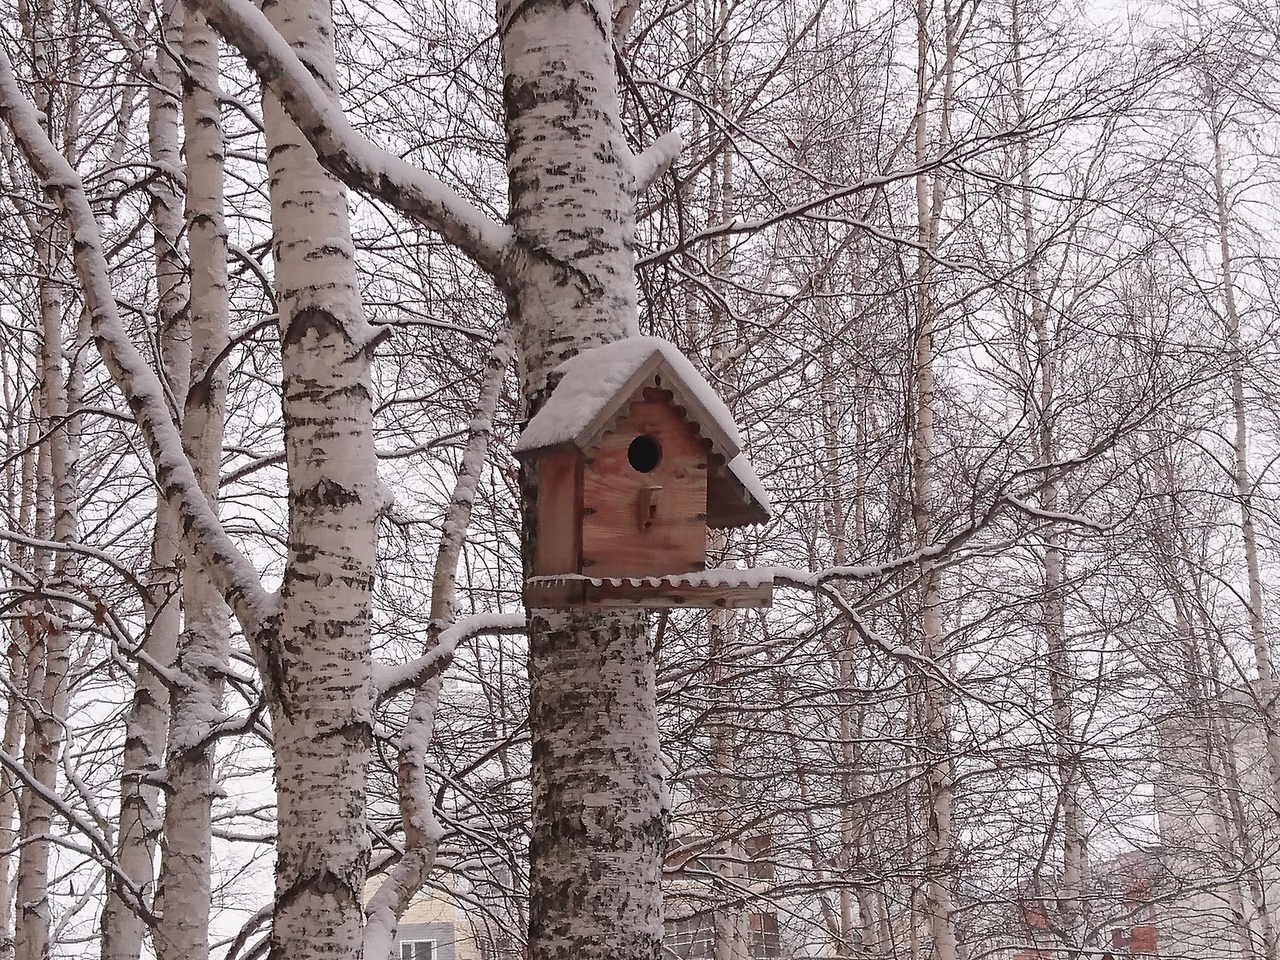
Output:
x=711 y=589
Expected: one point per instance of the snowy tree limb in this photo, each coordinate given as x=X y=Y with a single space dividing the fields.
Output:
x=142 y=390
x=389 y=680
x=624 y=15
x=654 y=161
x=84 y=550
x=344 y=152
x=102 y=851
x=1056 y=516
x=422 y=829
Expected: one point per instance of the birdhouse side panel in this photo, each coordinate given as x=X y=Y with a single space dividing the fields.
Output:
x=559 y=542
x=644 y=512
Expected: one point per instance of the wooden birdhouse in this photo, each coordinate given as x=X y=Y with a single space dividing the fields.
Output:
x=634 y=458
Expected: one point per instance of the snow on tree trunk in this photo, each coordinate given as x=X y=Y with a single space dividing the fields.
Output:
x=50 y=659
x=317 y=669
x=184 y=891
x=147 y=722
x=599 y=803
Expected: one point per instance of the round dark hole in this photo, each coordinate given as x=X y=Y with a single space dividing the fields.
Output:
x=644 y=454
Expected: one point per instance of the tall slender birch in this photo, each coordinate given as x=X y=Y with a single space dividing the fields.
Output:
x=139 y=823
x=1042 y=408
x=49 y=659
x=729 y=917
x=184 y=892
x=1267 y=687
x=318 y=668
x=930 y=193
x=21 y=503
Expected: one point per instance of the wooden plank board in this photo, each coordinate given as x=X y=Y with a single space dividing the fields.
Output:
x=614 y=543
x=559 y=537
x=562 y=594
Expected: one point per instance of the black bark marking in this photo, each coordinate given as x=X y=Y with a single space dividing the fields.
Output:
x=311 y=318
x=359 y=733
x=326 y=493
x=327 y=250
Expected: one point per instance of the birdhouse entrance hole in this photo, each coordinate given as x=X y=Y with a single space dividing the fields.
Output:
x=644 y=454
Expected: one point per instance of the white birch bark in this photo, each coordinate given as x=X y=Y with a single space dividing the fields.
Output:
x=729 y=917
x=853 y=822
x=1268 y=693
x=599 y=803
x=184 y=891
x=49 y=660
x=13 y=730
x=1042 y=406
x=139 y=822
x=934 y=701
x=15 y=712
x=1203 y=715
x=318 y=668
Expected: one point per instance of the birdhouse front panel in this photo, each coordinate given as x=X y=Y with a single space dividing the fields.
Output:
x=644 y=494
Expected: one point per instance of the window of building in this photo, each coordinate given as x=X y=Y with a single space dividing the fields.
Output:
x=762 y=931
x=417 y=950
x=689 y=938
x=759 y=850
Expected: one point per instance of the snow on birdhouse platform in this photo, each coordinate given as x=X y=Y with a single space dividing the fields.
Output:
x=722 y=588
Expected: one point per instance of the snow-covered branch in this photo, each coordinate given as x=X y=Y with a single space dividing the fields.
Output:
x=422 y=830
x=344 y=152
x=227 y=566
x=101 y=851
x=1055 y=516
x=654 y=161
x=389 y=680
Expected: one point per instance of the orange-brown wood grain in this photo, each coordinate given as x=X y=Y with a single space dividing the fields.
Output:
x=559 y=513
x=615 y=539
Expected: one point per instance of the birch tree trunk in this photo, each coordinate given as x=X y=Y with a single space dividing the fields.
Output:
x=599 y=803
x=1042 y=406
x=1267 y=690
x=184 y=893
x=934 y=700
x=15 y=712
x=49 y=659
x=729 y=915
x=145 y=727
x=317 y=670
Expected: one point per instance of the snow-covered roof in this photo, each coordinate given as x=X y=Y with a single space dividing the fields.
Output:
x=745 y=474
x=596 y=382
x=597 y=385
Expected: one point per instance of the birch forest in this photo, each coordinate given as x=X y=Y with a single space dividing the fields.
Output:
x=990 y=288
